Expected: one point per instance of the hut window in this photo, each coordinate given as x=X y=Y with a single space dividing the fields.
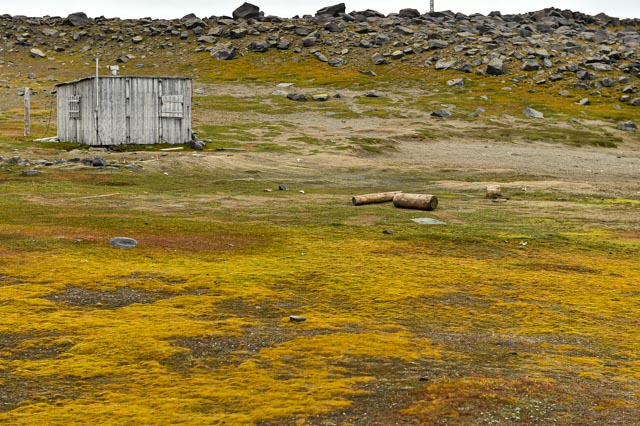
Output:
x=172 y=106
x=74 y=106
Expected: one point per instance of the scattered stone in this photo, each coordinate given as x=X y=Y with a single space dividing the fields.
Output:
x=246 y=11
x=137 y=39
x=532 y=113
x=283 y=187
x=428 y=221
x=378 y=59
x=78 y=19
x=495 y=67
x=99 y=162
x=456 y=82
x=320 y=97
x=123 y=242
x=30 y=172
x=296 y=318
x=197 y=145
x=37 y=53
x=477 y=112
x=335 y=10
x=373 y=94
x=635 y=102
x=299 y=97
x=260 y=46
x=444 y=64
x=584 y=101
x=369 y=73
x=628 y=126
x=336 y=62
x=387 y=232
x=531 y=66
x=224 y=52
x=441 y=113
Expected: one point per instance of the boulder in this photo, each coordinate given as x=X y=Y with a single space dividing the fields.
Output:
x=531 y=66
x=532 y=113
x=456 y=82
x=247 y=11
x=495 y=67
x=224 y=52
x=259 y=46
x=334 y=10
x=78 y=19
x=409 y=13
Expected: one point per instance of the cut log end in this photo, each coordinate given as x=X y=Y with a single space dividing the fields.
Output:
x=416 y=201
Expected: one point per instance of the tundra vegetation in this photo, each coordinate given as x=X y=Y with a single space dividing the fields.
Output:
x=520 y=310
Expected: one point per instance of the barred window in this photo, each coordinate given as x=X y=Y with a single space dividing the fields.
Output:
x=74 y=106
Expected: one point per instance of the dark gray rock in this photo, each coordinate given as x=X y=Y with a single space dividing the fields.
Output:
x=30 y=172
x=259 y=46
x=409 y=13
x=378 y=59
x=495 y=67
x=78 y=19
x=191 y=21
x=224 y=52
x=335 y=10
x=628 y=126
x=336 y=62
x=99 y=162
x=197 y=145
x=531 y=66
x=635 y=102
x=299 y=97
x=441 y=113
x=283 y=187
x=123 y=242
x=246 y=11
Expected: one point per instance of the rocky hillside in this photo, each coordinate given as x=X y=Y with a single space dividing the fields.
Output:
x=589 y=53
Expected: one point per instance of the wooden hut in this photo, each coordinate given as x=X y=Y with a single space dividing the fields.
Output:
x=127 y=110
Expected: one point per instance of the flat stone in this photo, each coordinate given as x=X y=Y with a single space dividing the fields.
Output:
x=427 y=221
x=123 y=242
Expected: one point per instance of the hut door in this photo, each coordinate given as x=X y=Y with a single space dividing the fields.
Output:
x=171 y=118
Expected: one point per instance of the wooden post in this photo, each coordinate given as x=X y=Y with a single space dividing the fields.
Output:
x=382 y=197
x=493 y=191
x=416 y=201
x=27 y=112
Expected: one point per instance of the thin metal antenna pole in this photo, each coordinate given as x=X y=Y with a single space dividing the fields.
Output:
x=97 y=101
x=432 y=6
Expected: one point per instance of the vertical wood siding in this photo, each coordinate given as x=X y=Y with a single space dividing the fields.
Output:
x=130 y=111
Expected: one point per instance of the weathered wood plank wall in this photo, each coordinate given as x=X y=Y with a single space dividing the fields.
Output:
x=132 y=110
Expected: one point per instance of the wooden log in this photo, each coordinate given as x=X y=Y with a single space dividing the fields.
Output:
x=416 y=201
x=381 y=197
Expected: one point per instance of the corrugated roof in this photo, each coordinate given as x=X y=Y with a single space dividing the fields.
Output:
x=122 y=76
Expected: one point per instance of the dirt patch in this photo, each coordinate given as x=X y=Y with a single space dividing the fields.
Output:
x=119 y=298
